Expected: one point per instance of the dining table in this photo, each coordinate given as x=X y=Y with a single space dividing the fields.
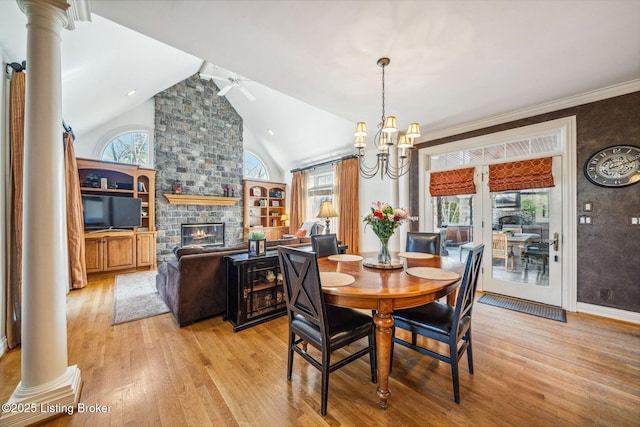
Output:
x=385 y=290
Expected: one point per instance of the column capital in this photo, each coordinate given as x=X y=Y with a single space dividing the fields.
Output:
x=72 y=10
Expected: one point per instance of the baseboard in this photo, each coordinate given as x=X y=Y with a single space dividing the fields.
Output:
x=612 y=313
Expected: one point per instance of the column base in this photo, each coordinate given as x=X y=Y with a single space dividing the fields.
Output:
x=30 y=405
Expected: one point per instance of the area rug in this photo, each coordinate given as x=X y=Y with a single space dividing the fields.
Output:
x=135 y=297
x=528 y=307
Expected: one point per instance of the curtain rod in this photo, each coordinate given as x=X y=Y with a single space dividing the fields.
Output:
x=18 y=68
x=350 y=156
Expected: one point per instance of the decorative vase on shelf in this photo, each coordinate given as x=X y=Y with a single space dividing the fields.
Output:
x=384 y=256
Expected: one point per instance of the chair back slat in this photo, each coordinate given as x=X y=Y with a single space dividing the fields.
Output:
x=302 y=288
x=468 y=284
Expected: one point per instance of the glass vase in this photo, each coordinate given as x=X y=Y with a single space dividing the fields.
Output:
x=384 y=256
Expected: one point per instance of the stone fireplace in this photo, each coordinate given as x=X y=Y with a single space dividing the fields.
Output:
x=206 y=235
x=198 y=143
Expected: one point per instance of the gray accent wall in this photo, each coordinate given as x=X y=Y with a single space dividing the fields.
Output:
x=198 y=141
x=607 y=250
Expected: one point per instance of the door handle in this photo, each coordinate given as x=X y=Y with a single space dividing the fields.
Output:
x=556 y=241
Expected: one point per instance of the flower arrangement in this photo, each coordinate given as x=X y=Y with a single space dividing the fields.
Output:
x=384 y=219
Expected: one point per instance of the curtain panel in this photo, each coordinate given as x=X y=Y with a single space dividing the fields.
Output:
x=452 y=183
x=535 y=173
x=75 y=227
x=296 y=212
x=14 y=279
x=347 y=199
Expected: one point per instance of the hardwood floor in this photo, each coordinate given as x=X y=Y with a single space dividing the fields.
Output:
x=528 y=371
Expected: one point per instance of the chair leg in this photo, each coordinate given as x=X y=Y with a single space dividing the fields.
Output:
x=453 y=358
x=469 y=352
x=326 y=360
x=290 y=356
x=373 y=361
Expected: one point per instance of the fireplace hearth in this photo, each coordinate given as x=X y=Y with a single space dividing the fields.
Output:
x=205 y=235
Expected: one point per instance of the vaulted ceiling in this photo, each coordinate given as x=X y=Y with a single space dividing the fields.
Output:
x=311 y=65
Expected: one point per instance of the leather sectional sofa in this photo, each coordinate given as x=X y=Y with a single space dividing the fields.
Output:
x=194 y=283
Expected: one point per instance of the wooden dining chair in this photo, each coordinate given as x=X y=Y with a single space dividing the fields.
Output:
x=442 y=322
x=423 y=242
x=500 y=249
x=324 y=244
x=325 y=327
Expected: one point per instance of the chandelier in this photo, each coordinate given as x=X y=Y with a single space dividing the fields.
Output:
x=392 y=166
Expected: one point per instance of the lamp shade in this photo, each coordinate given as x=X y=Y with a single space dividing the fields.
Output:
x=327 y=210
x=284 y=217
x=414 y=130
x=361 y=129
x=360 y=142
x=403 y=142
x=390 y=125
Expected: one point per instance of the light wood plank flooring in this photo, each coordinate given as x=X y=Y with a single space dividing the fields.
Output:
x=528 y=371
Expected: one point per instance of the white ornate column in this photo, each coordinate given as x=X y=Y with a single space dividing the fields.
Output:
x=48 y=386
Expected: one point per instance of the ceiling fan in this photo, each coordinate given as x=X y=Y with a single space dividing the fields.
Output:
x=206 y=72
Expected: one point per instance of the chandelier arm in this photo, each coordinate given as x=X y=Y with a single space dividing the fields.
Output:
x=367 y=171
x=395 y=172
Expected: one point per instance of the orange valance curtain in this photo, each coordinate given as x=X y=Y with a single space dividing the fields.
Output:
x=14 y=272
x=521 y=175
x=452 y=183
x=75 y=228
x=296 y=211
x=347 y=198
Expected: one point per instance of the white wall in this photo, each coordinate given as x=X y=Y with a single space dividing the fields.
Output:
x=89 y=144
x=4 y=186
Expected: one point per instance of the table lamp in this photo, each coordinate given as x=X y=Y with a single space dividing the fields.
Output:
x=284 y=218
x=327 y=211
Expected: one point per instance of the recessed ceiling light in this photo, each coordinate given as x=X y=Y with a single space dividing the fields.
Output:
x=131 y=92
x=270 y=131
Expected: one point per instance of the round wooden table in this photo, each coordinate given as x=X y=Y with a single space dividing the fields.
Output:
x=384 y=291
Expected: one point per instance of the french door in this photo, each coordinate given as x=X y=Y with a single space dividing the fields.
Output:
x=523 y=237
x=535 y=262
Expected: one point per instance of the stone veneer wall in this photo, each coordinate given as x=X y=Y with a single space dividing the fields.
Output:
x=198 y=141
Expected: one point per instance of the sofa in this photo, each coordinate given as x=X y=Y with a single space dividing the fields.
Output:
x=194 y=284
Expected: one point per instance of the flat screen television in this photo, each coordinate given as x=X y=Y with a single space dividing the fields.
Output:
x=508 y=200
x=110 y=212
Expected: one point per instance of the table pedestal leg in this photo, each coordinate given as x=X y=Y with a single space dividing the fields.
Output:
x=384 y=323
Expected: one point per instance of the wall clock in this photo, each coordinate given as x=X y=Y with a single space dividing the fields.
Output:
x=616 y=166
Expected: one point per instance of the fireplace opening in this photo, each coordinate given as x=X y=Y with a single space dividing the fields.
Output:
x=206 y=235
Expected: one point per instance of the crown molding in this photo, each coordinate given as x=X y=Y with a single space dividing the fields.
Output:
x=560 y=104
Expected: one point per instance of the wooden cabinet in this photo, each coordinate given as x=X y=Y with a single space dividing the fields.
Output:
x=119 y=250
x=110 y=251
x=254 y=289
x=264 y=204
x=145 y=249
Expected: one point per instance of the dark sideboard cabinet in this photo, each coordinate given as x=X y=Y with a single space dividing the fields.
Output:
x=254 y=290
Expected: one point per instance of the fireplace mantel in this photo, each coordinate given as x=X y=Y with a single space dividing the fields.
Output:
x=192 y=199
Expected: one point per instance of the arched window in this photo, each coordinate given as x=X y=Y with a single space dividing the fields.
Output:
x=254 y=168
x=129 y=147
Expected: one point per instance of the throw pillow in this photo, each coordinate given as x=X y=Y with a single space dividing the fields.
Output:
x=301 y=233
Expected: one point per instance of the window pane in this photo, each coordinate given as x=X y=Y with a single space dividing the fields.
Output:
x=254 y=168
x=130 y=147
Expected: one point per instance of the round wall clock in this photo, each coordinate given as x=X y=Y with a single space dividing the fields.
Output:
x=616 y=166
